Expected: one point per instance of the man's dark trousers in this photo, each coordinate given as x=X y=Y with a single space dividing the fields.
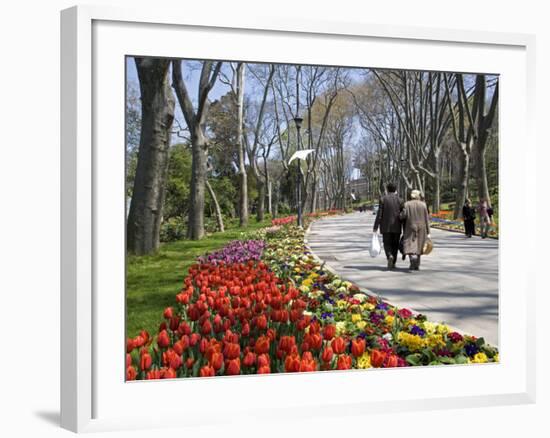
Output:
x=391 y=244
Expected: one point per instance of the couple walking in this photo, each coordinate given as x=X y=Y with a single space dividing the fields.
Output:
x=410 y=218
x=485 y=218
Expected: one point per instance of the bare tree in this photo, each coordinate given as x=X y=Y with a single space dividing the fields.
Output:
x=255 y=143
x=195 y=119
x=157 y=115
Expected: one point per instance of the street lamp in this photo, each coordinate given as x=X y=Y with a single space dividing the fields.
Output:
x=298 y=121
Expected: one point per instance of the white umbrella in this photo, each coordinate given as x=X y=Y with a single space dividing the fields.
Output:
x=300 y=155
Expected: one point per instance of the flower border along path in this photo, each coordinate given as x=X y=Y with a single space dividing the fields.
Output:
x=267 y=305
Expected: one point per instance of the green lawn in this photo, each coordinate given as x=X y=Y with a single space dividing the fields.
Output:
x=152 y=282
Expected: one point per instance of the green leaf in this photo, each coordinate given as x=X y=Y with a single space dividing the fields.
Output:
x=413 y=359
x=480 y=342
x=461 y=359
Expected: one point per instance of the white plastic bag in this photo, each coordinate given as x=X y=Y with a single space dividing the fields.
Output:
x=375 y=247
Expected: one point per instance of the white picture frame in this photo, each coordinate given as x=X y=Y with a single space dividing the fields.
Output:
x=90 y=394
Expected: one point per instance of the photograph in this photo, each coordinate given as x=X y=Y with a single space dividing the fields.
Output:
x=285 y=218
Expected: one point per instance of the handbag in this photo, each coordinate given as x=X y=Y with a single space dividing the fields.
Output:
x=375 y=248
x=428 y=247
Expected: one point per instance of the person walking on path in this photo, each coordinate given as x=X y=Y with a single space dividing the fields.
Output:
x=389 y=222
x=469 y=215
x=484 y=217
x=416 y=230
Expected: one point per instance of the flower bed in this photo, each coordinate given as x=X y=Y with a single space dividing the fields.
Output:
x=266 y=305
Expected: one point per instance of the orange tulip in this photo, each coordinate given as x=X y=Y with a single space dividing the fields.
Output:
x=233 y=367
x=232 y=351
x=216 y=361
x=377 y=358
x=338 y=345
x=391 y=361
x=344 y=362
x=131 y=373
x=327 y=354
x=358 y=347
x=262 y=345
x=292 y=363
x=145 y=361
x=207 y=371
x=329 y=332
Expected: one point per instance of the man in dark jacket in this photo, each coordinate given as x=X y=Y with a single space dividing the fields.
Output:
x=387 y=219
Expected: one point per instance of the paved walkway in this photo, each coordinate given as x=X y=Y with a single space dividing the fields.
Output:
x=456 y=284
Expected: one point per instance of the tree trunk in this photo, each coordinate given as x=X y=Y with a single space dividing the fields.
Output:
x=243 y=192
x=481 y=173
x=219 y=217
x=314 y=193
x=275 y=207
x=157 y=108
x=261 y=199
x=195 y=227
x=269 y=195
x=437 y=183
x=462 y=183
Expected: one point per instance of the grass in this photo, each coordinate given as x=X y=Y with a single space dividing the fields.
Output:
x=153 y=281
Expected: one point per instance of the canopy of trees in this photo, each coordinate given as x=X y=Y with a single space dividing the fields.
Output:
x=209 y=142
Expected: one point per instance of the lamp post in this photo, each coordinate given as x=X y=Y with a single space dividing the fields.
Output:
x=298 y=121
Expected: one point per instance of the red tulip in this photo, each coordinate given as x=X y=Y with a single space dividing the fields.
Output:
x=145 y=335
x=174 y=323
x=249 y=359
x=338 y=345
x=292 y=363
x=207 y=371
x=153 y=374
x=271 y=334
x=194 y=339
x=131 y=373
x=261 y=322
x=245 y=330
x=286 y=343
x=262 y=345
x=163 y=339
x=130 y=345
x=377 y=358
x=391 y=361
x=206 y=328
x=344 y=362
x=168 y=312
x=314 y=327
x=233 y=367
x=128 y=360
x=315 y=341
x=329 y=331
x=358 y=347
x=308 y=365
x=327 y=354
x=184 y=329
x=168 y=373
x=145 y=361
x=189 y=362
x=264 y=369
x=263 y=360
x=216 y=361
x=179 y=347
x=232 y=351
x=139 y=341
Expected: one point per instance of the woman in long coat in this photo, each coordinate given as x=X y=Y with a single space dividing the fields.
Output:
x=416 y=229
